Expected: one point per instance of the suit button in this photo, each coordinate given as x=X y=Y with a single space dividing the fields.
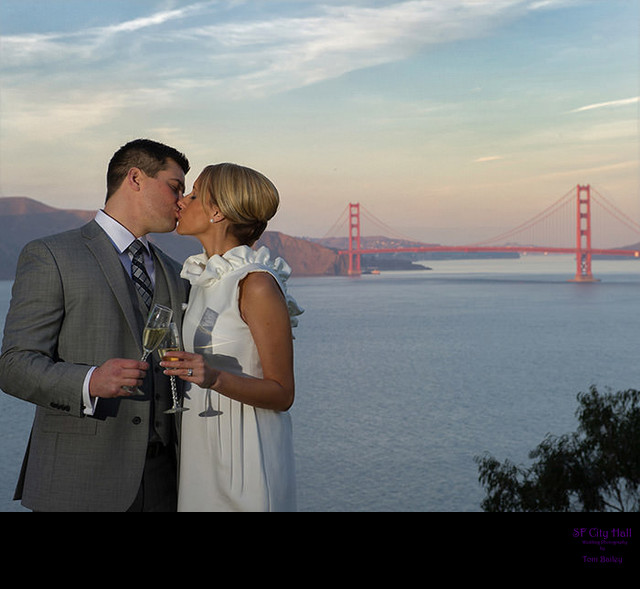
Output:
x=136 y=420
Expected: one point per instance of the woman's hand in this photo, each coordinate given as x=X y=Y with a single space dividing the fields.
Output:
x=191 y=368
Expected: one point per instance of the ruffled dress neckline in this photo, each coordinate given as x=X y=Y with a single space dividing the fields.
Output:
x=202 y=271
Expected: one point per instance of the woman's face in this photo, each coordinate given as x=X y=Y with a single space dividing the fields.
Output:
x=193 y=219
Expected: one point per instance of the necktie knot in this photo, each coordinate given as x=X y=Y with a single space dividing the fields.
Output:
x=136 y=248
x=139 y=273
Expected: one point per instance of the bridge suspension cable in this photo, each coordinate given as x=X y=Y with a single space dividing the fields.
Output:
x=615 y=212
x=372 y=219
x=564 y=201
x=390 y=232
x=342 y=220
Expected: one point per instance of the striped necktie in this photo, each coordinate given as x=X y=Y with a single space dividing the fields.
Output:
x=139 y=273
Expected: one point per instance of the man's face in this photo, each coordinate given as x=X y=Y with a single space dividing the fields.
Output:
x=161 y=195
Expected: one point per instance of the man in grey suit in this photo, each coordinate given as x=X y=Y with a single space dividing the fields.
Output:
x=72 y=341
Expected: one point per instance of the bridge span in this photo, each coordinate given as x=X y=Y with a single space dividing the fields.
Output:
x=582 y=250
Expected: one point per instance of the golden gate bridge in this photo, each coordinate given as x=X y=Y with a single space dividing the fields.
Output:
x=572 y=215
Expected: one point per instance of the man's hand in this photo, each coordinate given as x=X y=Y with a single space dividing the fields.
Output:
x=107 y=380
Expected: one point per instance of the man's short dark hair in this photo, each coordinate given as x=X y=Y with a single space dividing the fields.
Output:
x=150 y=156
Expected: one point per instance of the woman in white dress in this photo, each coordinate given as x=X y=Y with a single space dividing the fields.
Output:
x=236 y=451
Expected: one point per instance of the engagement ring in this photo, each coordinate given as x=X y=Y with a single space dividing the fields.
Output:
x=190 y=372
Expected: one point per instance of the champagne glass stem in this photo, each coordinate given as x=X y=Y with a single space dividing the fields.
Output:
x=174 y=392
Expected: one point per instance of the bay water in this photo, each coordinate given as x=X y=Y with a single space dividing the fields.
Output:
x=403 y=378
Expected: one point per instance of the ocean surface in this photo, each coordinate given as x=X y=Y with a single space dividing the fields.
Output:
x=404 y=377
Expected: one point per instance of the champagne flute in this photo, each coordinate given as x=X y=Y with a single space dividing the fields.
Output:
x=172 y=343
x=154 y=332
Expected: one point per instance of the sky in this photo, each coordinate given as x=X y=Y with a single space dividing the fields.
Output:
x=449 y=120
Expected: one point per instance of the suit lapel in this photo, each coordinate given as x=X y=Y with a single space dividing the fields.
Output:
x=107 y=258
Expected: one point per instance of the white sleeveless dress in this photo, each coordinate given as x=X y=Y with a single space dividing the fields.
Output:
x=233 y=457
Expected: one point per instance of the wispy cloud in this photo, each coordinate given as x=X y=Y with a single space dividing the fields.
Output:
x=159 y=18
x=267 y=52
x=71 y=112
x=31 y=49
x=490 y=158
x=281 y=53
x=590 y=171
x=544 y=4
x=610 y=104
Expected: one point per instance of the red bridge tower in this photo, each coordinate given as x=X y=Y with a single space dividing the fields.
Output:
x=354 y=239
x=583 y=235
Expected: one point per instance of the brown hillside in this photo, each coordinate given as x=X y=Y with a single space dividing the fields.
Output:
x=304 y=257
x=24 y=219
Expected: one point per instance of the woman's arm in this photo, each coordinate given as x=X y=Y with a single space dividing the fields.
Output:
x=264 y=309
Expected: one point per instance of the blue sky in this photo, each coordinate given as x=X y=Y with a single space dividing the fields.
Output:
x=447 y=119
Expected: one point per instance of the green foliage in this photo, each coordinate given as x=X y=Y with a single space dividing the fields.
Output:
x=596 y=468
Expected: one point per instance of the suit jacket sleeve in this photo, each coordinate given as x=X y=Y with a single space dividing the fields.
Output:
x=30 y=367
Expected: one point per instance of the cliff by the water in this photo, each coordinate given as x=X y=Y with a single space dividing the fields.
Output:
x=24 y=219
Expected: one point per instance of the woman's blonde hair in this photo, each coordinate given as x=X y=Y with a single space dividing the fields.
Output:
x=246 y=198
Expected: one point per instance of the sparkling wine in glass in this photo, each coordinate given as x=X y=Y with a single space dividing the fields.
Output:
x=172 y=343
x=154 y=332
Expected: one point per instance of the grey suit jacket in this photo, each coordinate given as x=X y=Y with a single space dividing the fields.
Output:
x=71 y=309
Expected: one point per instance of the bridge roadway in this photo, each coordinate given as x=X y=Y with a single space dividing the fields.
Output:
x=517 y=249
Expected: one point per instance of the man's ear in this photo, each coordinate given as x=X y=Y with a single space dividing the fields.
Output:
x=134 y=179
